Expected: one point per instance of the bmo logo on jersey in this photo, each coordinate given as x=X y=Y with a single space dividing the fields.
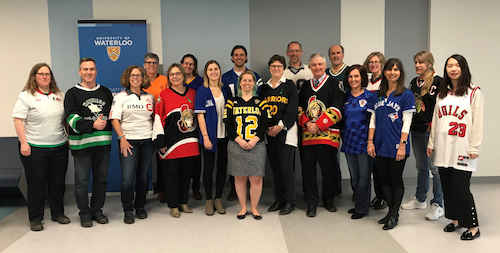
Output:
x=452 y=110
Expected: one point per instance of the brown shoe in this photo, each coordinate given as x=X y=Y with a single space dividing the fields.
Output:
x=162 y=197
x=219 y=207
x=232 y=196
x=185 y=208
x=175 y=212
x=197 y=194
x=209 y=207
x=36 y=225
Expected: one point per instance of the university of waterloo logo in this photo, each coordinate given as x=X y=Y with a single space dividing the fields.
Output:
x=113 y=53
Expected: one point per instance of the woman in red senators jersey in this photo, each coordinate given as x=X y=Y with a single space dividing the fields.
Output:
x=456 y=134
x=175 y=134
x=246 y=118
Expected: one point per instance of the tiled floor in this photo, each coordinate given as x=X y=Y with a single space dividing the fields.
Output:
x=328 y=232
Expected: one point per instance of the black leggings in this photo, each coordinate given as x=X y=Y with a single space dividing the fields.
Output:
x=391 y=171
x=209 y=164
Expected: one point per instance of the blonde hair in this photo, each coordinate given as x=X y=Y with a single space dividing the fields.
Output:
x=206 y=81
x=428 y=59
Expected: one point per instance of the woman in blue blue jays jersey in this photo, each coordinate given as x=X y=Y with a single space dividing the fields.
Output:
x=354 y=138
x=209 y=107
x=392 y=109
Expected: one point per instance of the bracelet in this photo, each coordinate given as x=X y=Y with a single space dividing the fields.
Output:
x=205 y=135
x=370 y=139
x=369 y=145
x=119 y=137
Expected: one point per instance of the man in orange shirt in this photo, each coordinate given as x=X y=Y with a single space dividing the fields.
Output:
x=158 y=83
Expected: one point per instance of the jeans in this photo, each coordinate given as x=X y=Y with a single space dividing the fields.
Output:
x=360 y=168
x=135 y=168
x=98 y=162
x=423 y=162
x=46 y=168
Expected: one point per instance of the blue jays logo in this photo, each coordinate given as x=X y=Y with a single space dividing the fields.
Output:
x=113 y=53
x=393 y=116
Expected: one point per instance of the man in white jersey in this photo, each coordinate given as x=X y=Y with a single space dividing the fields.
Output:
x=296 y=71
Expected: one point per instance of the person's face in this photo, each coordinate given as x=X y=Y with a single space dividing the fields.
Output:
x=239 y=57
x=88 y=71
x=354 y=79
x=135 y=78
x=317 y=66
x=213 y=72
x=43 y=77
x=421 y=67
x=151 y=66
x=175 y=77
x=247 y=83
x=392 y=74
x=188 y=65
x=374 y=65
x=294 y=53
x=453 y=69
x=336 y=56
x=276 y=69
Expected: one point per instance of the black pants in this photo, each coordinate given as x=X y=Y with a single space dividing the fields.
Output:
x=326 y=155
x=177 y=173
x=45 y=167
x=197 y=173
x=458 y=200
x=208 y=169
x=281 y=157
x=377 y=185
x=160 y=179
x=391 y=171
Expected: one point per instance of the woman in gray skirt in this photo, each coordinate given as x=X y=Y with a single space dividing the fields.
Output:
x=246 y=118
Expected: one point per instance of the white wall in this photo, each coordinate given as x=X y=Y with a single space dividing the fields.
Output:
x=472 y=29
x=24 y=42
x=132 y=9
x=362 y=28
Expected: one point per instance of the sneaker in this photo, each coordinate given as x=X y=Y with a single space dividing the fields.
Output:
x=129 y=218
x=414 y=204
x=141 y=213
x=435 y=212
x=100 y=218
x=86 y=222
x=36 y=225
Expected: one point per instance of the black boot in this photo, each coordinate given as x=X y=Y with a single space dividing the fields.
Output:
x=394 y=217
x=388 y=196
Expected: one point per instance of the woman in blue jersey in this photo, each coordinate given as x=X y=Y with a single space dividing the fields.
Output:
x=246 y=118
x=132 y=118
x=354 y=138
x=425 y=89
x=209 y=107
x=190 y=65
x=392 y=109
x=39 y=122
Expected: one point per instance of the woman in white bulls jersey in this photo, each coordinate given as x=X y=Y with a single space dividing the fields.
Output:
x=456 y=134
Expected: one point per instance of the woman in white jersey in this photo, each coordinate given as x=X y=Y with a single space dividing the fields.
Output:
x=131 y=117
x=456 y=134
x=39 y=121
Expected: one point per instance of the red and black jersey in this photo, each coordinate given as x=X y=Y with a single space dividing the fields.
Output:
x=175 y=125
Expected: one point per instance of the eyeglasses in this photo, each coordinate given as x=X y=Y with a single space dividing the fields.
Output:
x=374 y=62
x=276 y=66
x=139 y=75
x=175 y=74
x=151 y=62
x=44 y=74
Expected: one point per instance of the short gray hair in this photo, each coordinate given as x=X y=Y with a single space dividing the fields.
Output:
x=151 y=56
x=317 y=55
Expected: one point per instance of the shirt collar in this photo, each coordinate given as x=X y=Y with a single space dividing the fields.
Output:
x=128 y=91
x=321 y=78
x=282 y=80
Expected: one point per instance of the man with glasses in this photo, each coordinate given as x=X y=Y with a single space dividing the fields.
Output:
x=87 y=107
x=296 y=71
x=338 y=68
x=158 y=84
x=230 y=79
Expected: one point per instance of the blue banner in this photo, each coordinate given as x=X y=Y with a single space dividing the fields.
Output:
x=115 y=45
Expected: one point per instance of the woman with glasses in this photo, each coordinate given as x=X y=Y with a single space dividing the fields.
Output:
x=209 y=107
x=282 y=136
x=175 y=135
x=374 y=64
x=246 y=118
x=39 y=122
x=425 y=89
x=131 y=117
x=392 y=109
x=194 y=81
x=455 y=140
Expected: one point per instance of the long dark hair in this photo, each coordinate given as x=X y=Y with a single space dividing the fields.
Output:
x=384 y=85
x=195 y=70
x=362 y=73
x=463 y=81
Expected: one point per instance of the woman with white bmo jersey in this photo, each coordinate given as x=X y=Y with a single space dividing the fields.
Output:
x=456 y=134
x=132 y=118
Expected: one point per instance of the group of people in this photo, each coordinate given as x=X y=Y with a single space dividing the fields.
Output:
x=234 y=120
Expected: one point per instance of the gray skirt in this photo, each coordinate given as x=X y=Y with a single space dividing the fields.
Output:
x=242 y=162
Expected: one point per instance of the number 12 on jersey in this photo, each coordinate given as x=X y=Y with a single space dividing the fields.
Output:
x=246 y=130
